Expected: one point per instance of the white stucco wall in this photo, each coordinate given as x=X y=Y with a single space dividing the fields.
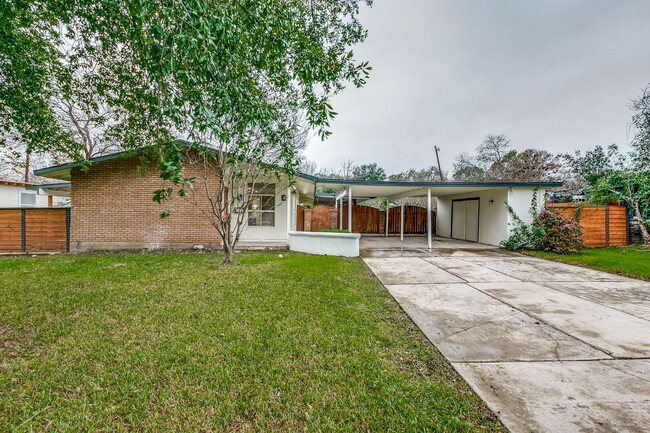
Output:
x=495 y=222
x=327 y=244
x=493 y=217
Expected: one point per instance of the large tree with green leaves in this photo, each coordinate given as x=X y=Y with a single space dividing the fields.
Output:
x=231 y=75
x=615 y=176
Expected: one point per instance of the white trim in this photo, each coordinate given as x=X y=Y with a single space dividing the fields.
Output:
x=387 y=209
x=429 y=217
x=350 y=209
x=401 y=219
x=288 y=210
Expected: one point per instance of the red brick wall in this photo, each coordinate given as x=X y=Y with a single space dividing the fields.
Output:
x=112 y=204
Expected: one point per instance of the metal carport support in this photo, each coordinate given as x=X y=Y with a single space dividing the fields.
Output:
x=429 y=217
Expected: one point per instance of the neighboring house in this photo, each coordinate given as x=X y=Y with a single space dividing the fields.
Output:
x=112 y=206
x=28 y=195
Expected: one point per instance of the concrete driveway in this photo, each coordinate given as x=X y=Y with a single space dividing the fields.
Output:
x=550 y=347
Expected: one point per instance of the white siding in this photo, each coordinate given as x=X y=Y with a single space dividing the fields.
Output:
x=493 y=217
x=520 y=200
x=279 y=231
x=10 y=196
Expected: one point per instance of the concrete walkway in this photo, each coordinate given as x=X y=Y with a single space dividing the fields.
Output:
x=550 y=347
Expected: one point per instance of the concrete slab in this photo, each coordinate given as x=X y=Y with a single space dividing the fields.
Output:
x=409 y=270
x=467 y=325
x=632 y=297
x=468 y=271
x=550 y=319
x=533 y=269
x=613 y=331
x=558 y=397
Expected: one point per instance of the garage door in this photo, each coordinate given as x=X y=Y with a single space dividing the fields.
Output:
x=464 y=219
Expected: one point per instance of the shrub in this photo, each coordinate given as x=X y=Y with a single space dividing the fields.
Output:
x=550 y=231
x=335 y=230
x=559 y=234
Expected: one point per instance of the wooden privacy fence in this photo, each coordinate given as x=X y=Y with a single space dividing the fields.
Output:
x=34 y=230
x=366 y=219
x=602 y=226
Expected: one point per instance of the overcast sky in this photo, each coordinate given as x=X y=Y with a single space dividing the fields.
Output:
x=551 y=74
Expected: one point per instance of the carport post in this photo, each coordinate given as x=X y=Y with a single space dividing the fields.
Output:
x=350 y=209
x=341 y=214
x=429 y=217
x=401 y=220
x=387 y=206
x=288 y=211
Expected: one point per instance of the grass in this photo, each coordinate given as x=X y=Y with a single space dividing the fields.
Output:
x=632 y=261
x=176 y=342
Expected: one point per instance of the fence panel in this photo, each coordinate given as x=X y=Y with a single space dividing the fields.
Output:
x=602 y=225
x=366 y=219
x=10 y=230
x=34 y=230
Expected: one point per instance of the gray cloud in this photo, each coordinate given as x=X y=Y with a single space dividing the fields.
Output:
x=554 y=74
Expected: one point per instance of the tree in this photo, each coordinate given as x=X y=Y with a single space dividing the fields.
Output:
x=429 y=174
x=529 y=165
x=233 y=75
x=488 y=157
x=493 y=149
x=308 y=166
x=641 y=125
x=594 y=164
x=368 y=172
x=468 y=169
x=630 y=186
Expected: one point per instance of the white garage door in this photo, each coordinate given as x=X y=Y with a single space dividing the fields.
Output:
x=464 y=219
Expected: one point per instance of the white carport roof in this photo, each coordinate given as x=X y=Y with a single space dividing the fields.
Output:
x=365 y=189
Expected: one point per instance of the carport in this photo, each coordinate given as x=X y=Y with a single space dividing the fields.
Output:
x=474 y=212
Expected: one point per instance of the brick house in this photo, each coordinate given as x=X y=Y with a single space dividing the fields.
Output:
x=112 y=207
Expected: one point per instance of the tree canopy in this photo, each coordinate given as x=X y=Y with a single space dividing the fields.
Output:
x=245 y=72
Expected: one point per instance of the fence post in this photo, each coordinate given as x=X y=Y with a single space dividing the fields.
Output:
x=67 y=230
x=607 y=225
x=23 y=243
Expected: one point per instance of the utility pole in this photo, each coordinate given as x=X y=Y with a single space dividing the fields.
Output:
x=442 y=179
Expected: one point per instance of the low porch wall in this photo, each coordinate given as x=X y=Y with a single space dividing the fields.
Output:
x=324 y=243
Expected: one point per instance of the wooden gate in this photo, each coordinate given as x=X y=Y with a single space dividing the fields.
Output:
x=366 y=219
x=320 y=218
x=34 y=230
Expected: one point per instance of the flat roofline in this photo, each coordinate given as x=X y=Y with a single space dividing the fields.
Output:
x=50 y=185
x=116 y=155
x=436 y=184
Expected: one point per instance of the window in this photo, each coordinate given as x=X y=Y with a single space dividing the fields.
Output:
x=27 y=199
x=261 y=209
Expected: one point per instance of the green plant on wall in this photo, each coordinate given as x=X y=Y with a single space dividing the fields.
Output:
x=549 y=231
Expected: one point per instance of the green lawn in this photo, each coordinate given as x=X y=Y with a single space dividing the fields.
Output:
x=633 y=261
x=176 y=342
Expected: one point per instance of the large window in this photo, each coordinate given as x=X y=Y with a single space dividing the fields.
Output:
x=261 y=209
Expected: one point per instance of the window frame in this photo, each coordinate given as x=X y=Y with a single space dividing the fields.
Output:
x=30 y=194
x=262 y=196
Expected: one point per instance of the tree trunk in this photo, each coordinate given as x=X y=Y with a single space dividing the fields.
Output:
x=644 y=230
x=228 y=248
x=228 y=254
x=27 y=163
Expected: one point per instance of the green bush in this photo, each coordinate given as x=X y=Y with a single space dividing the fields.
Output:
x=549 y=231
x=335 y=230
x=557 y=233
